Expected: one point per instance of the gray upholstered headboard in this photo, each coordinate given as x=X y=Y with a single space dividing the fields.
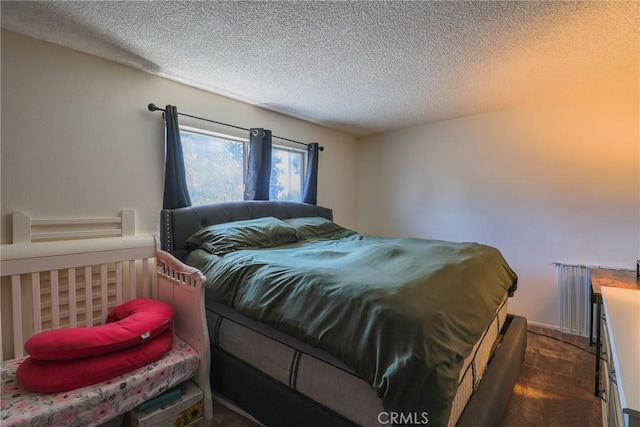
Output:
x=177 y=225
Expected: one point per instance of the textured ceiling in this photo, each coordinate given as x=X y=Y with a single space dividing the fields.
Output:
x=361 y=67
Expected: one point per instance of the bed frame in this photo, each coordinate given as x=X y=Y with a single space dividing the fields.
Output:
x=239 y=385
x=59 y=275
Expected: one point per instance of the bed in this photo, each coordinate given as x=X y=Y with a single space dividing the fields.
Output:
x=50 y=284
x=284 y=363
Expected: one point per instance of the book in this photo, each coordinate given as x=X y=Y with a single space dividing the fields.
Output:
x=161 y=400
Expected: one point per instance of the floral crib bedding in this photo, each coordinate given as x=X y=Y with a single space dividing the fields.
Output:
x=97 y=403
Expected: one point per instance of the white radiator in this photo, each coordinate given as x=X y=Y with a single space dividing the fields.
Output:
x=575 y=290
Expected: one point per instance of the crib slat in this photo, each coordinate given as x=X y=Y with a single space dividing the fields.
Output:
x=73 y=314
x=55 y=300
x=37 y=307
x=132 y=280
x=145 y=278
x=61 y=235
x=154 y=289
x=104 y=291
x=88 y=292
x=76 y=221
x=119 y=290
x=16 y=300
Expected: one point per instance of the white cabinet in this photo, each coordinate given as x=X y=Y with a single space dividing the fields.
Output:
x=620 y=359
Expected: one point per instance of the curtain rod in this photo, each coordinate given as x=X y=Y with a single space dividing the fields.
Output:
x=154 y=107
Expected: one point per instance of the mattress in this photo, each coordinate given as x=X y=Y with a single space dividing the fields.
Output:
x=324 y=379
x=95 y=404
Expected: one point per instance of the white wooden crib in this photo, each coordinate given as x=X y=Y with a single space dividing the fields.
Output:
x=66 y=273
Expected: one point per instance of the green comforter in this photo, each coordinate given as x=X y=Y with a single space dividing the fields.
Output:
x=402 y=313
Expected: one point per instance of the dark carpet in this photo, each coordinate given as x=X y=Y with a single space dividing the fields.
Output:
x=556 y=383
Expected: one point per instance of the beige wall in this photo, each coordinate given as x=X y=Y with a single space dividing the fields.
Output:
x=545 y=183
x=77 y=138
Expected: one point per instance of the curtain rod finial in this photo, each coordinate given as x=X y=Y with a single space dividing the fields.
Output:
x=152 y=107
x=321 y=148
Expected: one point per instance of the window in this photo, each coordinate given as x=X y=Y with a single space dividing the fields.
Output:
x=216 y=166
x=286 y=174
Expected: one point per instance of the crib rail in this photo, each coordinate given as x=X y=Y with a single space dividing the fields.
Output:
x=69 y=283
x=27 y=229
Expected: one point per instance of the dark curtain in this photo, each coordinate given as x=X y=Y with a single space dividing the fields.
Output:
x=176 y=193
x=310 y=191
x=259 y=169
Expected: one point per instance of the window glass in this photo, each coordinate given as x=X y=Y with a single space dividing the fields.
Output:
x=286 y=174
x=214 y=168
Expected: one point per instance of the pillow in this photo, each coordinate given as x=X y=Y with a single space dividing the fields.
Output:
x=127 y=324
x=52 y=376
x=318 y=227
x=265 y=232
